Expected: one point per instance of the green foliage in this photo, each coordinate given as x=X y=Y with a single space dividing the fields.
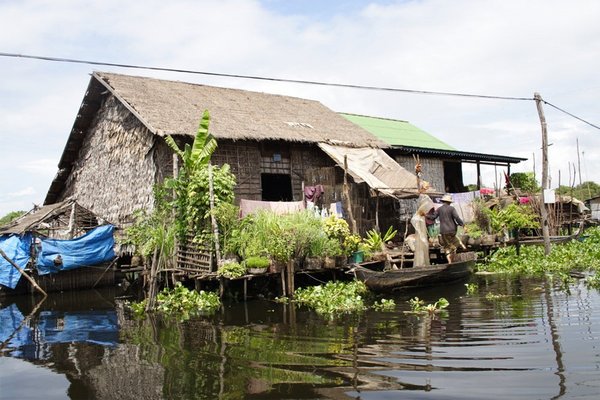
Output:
x=192 y=200
x=281 y=237
x=513 y=216
x=418 y=306
x=335 y=227
x=351 y=243
x=181 y=303
x=375 y=242
x=333 y=298
x=593 y=281
x=472 y=288
x=384 y=305
x=257 y=262
x=227 y=216
x=197 y=155
x=585 y=191
x=11 y=216
x=231 y=270
x=563 y=258
x=525 y=181
x=155 y=230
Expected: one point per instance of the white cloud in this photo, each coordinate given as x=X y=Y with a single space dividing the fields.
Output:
x=509 y=48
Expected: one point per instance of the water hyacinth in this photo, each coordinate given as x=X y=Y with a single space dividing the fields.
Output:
x=333 y=298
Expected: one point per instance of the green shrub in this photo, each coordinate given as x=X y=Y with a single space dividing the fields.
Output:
x=231 y=270
x=257 y=262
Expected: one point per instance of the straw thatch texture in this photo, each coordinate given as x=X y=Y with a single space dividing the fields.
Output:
x=174 y=108
x=115 y=170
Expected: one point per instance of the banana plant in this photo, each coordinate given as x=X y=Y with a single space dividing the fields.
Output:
x=198 y=154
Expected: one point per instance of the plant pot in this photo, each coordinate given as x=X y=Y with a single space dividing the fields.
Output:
x=313 y=263
x=329 y=262
x=488 y=240
x=256 y=271
x=357 y=257
x=276 y=266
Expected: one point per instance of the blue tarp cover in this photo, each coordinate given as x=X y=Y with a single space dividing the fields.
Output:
x=28 y=340
x=18 y=249
x=95 y=247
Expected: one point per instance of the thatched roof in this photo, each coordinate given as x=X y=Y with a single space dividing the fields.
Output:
x=175 y=108
x=53 y=217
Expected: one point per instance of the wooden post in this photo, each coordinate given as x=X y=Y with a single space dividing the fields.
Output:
x=543 y=209
x=153 y=285
x=213 y=220
x=377 y=213
x=290 y=278
x=29 y=278
x=347 y=196
x=175 y=176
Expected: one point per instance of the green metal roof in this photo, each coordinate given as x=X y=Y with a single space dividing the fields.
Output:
x=397 y=133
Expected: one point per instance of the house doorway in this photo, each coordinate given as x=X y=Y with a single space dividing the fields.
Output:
x=453 y=181
x=276 y=187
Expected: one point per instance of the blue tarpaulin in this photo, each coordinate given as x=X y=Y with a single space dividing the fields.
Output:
x=95 y=247
x=18 y=249
x=27 y=340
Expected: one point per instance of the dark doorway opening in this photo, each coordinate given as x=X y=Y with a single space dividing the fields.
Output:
x=453 y=177
x=276 y=187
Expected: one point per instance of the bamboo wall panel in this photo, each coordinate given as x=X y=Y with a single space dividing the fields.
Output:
x=433 y=170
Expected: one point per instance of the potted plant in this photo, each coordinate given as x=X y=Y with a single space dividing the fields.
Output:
x=257 y=264
x=333 y=253
x=231 y=270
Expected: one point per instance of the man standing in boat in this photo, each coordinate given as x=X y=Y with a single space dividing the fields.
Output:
x=449 y=222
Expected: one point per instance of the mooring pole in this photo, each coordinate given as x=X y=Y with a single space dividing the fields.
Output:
x=29 y=278
x=543 y=209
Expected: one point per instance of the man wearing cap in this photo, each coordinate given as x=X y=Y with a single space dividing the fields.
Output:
x=449 y=222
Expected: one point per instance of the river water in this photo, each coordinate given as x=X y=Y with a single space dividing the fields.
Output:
x=507 y=338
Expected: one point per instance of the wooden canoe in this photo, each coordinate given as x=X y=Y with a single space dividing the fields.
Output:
x=398 y=279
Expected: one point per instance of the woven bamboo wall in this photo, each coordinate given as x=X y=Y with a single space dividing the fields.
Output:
x=248 y=160
x=433 y=169
x=115 y=171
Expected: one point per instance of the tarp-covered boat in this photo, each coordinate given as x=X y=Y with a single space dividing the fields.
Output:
x=398 y=279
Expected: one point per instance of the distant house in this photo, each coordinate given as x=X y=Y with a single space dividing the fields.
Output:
x=442 y=164
x=276 y=146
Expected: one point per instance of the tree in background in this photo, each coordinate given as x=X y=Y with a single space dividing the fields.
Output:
x=525 y=181
x=585 y=191
x=11 y=216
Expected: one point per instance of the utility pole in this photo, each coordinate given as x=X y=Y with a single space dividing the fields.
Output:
x=578 y=163
x=543 y=209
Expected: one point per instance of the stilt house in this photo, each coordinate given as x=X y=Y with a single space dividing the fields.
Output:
x=276 y=146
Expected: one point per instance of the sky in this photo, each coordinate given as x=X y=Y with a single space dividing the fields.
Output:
x=509 y=48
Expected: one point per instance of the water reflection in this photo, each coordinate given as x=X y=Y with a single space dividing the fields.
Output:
x=526 y=340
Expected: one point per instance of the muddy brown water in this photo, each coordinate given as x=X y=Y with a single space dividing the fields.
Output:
x=512 y=338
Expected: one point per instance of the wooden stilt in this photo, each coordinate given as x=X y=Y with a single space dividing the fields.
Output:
x=282 y=275
x=29 y=278
x=290 y=278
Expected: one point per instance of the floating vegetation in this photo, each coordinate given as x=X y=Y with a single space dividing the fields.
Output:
x=472 y=288
x=181 y=303
x=563 y=258
x=418 y=306
x=384 y=305
x=333 y=297
x=494 y=297
x=593 y=281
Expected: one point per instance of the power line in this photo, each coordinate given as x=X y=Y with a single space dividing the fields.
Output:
x=572 y=115
x=262 y=78
x=299 y=81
